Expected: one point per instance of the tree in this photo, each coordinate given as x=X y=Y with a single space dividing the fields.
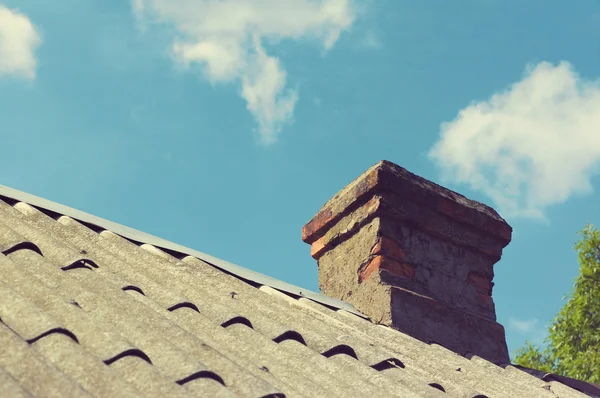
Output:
x=572 y=348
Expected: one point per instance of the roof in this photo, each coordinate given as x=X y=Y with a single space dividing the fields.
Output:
x=91 y=308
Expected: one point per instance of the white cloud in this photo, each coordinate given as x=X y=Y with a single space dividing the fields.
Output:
x=532 y=328
x=534 y=145
x=18 y=41
x=523 y=326
x=226 y=38
x=371 y=41
x=137 y=6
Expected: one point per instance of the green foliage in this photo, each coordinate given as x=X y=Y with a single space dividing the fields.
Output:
x=573 y=346
x=533 y=357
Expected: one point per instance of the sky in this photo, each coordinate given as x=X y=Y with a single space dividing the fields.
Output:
x=225 y=125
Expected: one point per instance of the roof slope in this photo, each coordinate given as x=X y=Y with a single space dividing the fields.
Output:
x=87 y=312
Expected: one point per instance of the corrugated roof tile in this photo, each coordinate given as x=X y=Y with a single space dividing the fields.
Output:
x=32 y=371
x=9 y=387
x=89 y=371
x=146 y=378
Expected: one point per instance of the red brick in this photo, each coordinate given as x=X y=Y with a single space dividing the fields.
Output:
x=314 y=225
x=367 y=210
x=367 y=184
x=446 y=206
x=500 y=229
x=491 y=251
x=483 y=284
x=383 y=262
x=318 y=248
x=390 y=247
x=485 y=298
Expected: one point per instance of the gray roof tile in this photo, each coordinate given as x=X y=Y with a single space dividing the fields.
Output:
x=32 y=371
x=9 y=387
x=101 y=310
x=146 y=378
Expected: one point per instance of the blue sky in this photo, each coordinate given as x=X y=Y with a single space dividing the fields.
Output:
x=225 y=127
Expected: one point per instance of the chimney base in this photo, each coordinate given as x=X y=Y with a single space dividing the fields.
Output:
x=432 y=321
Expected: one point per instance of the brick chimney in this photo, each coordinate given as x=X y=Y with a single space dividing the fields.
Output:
x=415 y=256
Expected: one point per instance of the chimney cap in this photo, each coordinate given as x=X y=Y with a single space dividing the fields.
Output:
x=389 y=177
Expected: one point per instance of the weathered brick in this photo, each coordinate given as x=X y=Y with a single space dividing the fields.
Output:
x=316 y=224
x=339 y=204
x=346 y=226
x=482 y=283
x=388 y=177
x=317 y=248
x=389 y=247
x=389 y=264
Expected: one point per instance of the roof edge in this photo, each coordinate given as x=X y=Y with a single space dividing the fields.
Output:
x=139 y=236
x=578 y=385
